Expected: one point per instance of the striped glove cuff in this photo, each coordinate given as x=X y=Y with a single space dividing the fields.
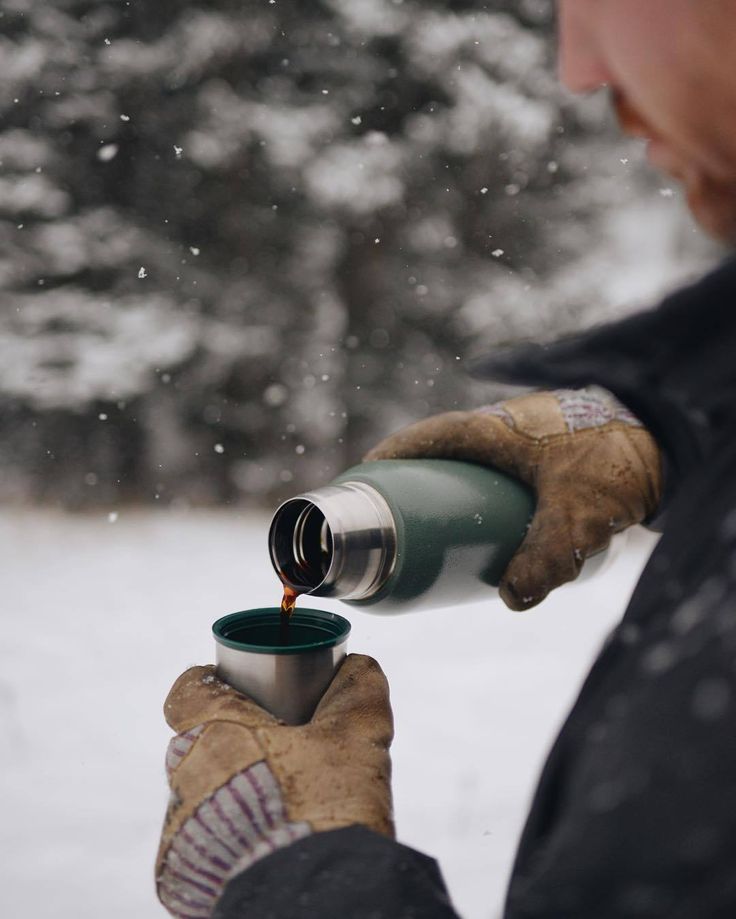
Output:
x=242 y=821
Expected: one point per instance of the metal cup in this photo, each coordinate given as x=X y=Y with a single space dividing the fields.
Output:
x=285 y=669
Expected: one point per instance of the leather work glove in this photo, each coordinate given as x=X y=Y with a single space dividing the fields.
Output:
x=244 y=784
x=593 y=466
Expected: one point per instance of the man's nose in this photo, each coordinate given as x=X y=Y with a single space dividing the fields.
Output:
x=581 y=65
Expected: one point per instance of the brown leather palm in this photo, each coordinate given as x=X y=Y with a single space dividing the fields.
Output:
x=333 y=772
x=590 y=482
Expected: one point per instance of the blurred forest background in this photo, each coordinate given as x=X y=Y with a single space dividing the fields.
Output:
x=241 y=241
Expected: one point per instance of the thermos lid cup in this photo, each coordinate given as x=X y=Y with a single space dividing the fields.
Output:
x=260 y=631
x=285 y=669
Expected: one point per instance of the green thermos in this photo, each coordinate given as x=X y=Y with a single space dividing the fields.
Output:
x=399 y=534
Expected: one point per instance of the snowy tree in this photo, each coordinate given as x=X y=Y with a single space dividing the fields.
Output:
x=241 y=241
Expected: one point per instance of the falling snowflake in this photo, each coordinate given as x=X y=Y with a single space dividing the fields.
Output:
x=112 y=516
x=275 y=394
x=357 y=120
x=142 y=273
x=125 y=117
x=497 y=253
x=666 y=192
x=107 y=153
x=218 y=448
x=194 y=250
x=484 y=190
x=178 y=151
x=102 y=416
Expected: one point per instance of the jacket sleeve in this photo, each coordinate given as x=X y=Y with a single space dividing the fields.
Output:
x=352 y=872
x=672 y=366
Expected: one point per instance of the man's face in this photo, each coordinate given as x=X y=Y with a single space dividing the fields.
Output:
x=671 y=67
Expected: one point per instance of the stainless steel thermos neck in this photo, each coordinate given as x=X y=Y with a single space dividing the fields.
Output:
x=400 y=533
x=338 y=541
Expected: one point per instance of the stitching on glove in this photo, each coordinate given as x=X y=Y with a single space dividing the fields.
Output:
x=498 y=411
x=179 y=747
x=592 y=408
x=581 y=409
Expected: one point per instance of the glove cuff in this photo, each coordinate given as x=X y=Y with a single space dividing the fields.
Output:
x=241 y=822
x=562 y=411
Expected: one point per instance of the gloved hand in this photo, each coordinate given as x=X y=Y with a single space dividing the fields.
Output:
x=244 y=784
x=594 y=467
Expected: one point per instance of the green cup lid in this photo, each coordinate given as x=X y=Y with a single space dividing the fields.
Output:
x=260 y=631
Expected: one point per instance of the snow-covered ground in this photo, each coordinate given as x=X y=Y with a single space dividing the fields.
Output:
x=98 y=619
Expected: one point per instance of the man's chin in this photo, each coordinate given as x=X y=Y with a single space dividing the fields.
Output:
x=714 y=209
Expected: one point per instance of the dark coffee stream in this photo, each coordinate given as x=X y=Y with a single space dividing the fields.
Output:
x=288 y=602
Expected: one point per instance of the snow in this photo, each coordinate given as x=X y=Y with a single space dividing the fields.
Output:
x=109 y=350
x=108 y=152
x=359 y=175
x=100 y=620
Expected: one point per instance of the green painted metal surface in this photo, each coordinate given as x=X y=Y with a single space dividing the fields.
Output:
x=458 y=525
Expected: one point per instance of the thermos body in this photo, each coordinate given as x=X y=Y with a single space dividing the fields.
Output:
x=395 y=534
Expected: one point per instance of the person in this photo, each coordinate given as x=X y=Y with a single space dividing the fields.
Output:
x=635 y=812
